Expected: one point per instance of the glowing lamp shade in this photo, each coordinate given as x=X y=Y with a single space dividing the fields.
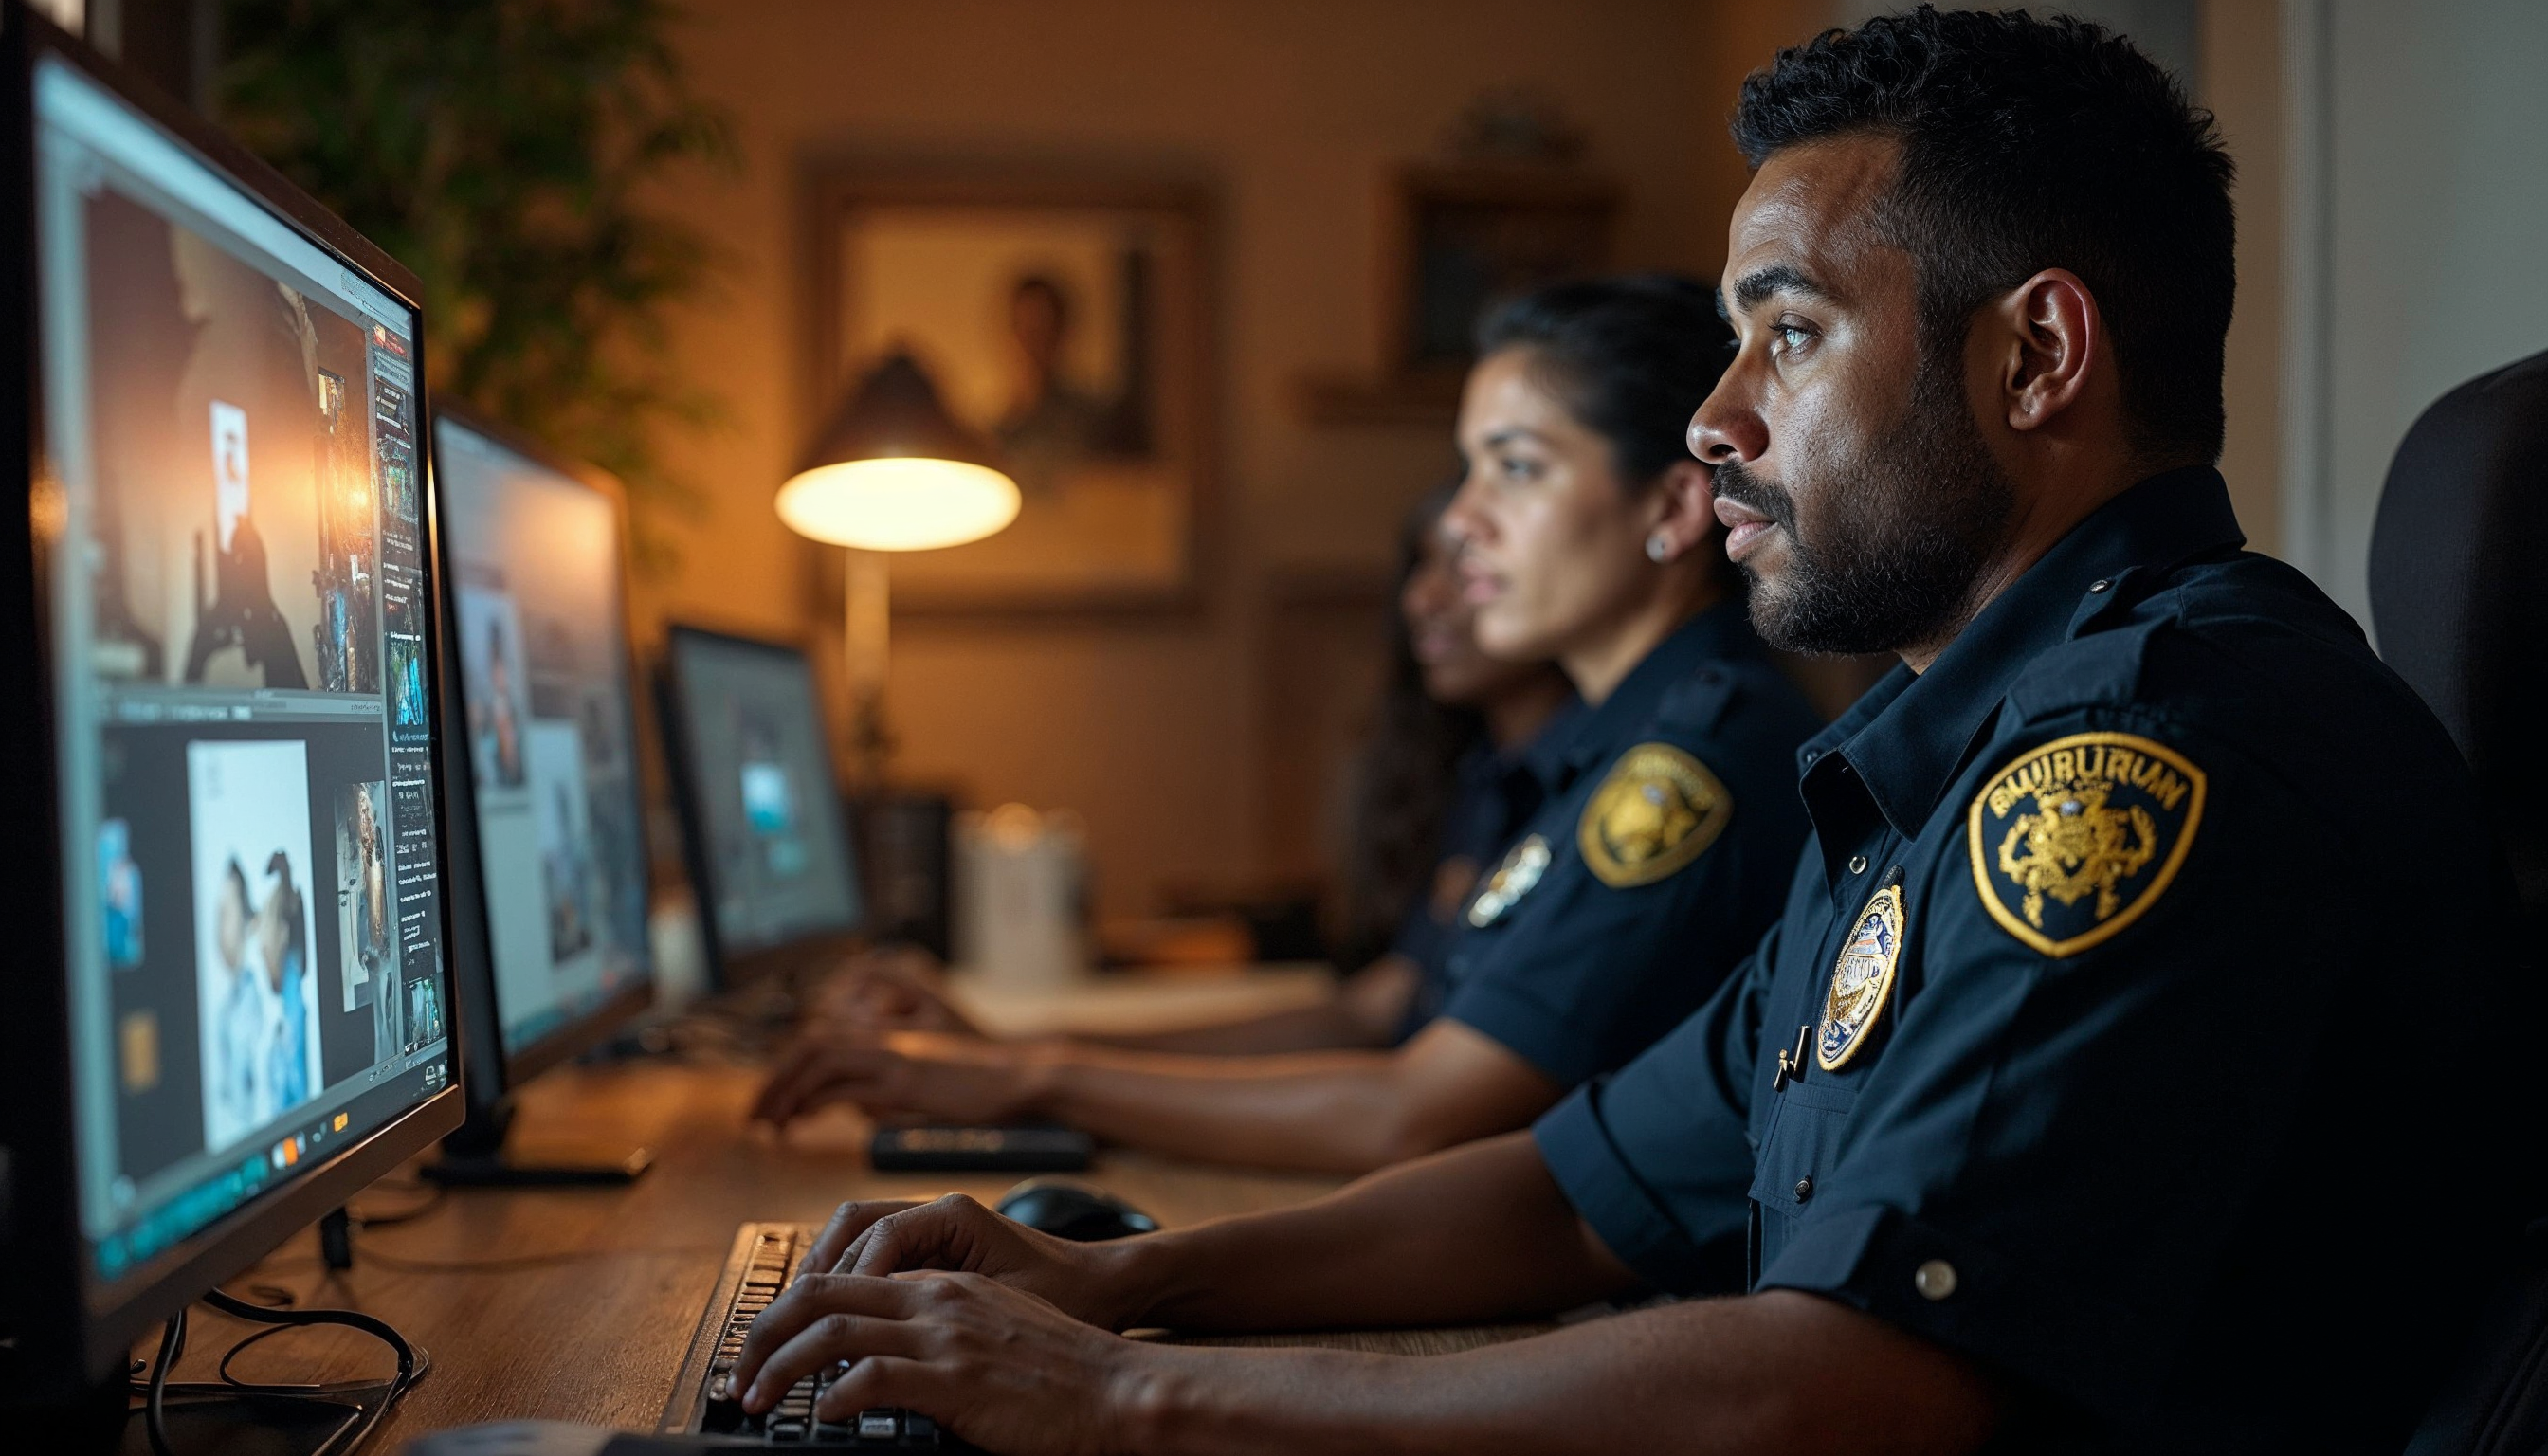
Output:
x=898 y=503
x=894 y=472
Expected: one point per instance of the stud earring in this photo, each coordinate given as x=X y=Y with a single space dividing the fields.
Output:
x=1659 y=548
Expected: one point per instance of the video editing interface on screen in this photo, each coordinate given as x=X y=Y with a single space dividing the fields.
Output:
x=778 y=859
x=543 y=665
x=253 y=920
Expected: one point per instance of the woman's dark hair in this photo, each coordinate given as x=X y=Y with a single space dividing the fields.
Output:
x=1407 y=773
x=2030 y=145
x=1631 y=357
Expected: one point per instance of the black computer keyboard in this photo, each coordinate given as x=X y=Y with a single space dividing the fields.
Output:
x=763 y=1259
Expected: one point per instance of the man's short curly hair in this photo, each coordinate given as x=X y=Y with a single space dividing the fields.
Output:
x=2030 y=145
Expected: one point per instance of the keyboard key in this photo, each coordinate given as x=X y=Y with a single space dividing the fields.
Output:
x=879 y=1425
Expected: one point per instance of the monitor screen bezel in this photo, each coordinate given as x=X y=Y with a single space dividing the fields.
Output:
x=494 y=1071
x=730 y=968
x=74 y=1328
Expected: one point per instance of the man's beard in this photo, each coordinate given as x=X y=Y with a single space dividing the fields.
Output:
x=1905 y=531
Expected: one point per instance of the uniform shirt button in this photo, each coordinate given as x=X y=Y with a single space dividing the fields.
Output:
x=1804 y=1189
x=1935 y=1279
x=1858 y=863
x=2099 y=584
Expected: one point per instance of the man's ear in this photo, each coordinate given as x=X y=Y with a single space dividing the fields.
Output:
x=1685 y=507
x=2050 y=343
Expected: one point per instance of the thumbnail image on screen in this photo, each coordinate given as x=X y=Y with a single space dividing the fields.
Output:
x=237 y=577
x=778 y=859
x=544 y=678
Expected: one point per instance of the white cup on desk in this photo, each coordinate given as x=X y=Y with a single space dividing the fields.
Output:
x=1021 y=898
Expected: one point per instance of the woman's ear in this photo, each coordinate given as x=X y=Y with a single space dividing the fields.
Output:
x=1684 y=510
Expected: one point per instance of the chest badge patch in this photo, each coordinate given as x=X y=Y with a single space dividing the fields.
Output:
x=1659 y=810
x=1860 y=981
x=1521 y=868
x=2077 y=839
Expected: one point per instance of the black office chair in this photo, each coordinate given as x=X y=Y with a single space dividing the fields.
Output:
x=2461 y=604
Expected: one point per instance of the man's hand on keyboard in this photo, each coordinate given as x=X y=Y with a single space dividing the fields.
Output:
x=948 y=1078
x=955 y=1232
x=998 y=1366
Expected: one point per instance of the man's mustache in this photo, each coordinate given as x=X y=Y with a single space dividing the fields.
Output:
x=1752 y=493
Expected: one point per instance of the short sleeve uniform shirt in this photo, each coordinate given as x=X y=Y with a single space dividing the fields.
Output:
x=1660 y=854
x=2131 y=1028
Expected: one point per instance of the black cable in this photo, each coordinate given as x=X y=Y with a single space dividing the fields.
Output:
x=434 y=1193
x=172 y=1348
x=410 y=1366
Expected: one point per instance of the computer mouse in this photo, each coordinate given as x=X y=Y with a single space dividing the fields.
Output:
x=1068 y=1209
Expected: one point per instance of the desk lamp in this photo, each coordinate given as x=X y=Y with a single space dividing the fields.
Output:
x=891 y=472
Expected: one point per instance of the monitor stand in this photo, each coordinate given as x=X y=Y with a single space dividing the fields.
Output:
x=475 y=1156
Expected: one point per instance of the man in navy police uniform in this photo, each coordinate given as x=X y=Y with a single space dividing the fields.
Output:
x=2129 y=1071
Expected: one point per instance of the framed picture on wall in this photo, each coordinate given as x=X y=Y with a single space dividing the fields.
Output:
x=1066 y=319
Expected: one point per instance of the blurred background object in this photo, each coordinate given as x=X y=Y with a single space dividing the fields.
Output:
x=502 y=149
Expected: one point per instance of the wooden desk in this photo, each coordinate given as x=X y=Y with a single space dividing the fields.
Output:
x=578 y=1305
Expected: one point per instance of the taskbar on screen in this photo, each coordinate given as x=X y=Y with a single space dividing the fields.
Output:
x=269 y=1161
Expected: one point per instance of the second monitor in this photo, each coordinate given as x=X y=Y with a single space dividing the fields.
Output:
x=545 y=809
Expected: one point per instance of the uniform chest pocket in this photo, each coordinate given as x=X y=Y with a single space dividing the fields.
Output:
x=1802 y=1142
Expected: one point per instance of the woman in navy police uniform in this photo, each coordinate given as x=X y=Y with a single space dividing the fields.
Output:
x=1586 y=535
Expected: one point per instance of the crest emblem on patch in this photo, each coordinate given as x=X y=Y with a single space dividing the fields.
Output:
x=1659 y=810
x=1521 y=868
x=1862 y=979
x=2077 y=839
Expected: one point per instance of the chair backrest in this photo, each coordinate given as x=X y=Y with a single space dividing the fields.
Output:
x=2459 y=593
x=2460 y=597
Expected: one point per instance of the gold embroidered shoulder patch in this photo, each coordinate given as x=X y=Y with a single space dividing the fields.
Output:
x=2077 y=839
x=1659 y=810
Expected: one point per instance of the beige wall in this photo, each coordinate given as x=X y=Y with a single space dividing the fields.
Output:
x=1171 y=735
x=2241 y=78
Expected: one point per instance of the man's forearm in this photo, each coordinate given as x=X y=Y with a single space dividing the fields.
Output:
x=1779 y=1373
x=1476 y=1234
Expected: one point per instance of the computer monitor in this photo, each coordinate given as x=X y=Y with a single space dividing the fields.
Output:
x=762 y=824
x=227 y=1002
x=545 y=807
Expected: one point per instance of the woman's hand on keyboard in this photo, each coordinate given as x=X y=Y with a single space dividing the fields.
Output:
x=955 y=1232
x=897 y=988
x=930 y=1074
x=999 y=1367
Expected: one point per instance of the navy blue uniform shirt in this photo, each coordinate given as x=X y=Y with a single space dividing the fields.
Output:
x=1659 y=857
x=1498 y=792
x=2131 y=1026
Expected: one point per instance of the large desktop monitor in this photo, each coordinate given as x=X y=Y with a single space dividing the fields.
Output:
x=545 y=804
x=228 y=1000
x=762 y=822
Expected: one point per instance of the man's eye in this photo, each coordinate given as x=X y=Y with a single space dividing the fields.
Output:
x=1521 y=470
x=1789 y=338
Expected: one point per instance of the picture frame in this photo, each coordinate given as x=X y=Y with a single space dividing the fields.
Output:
x=1462 y=234
x=1067 y=317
